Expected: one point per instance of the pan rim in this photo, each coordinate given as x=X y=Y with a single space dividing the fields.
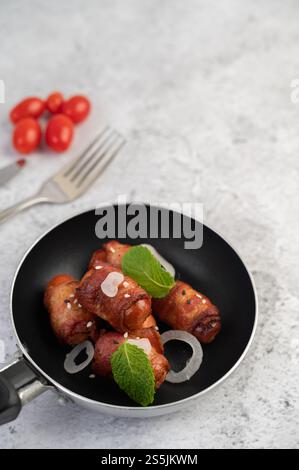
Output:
x=142 y=411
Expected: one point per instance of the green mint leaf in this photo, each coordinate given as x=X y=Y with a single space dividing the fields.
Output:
x=133 y=373
x=141 y=265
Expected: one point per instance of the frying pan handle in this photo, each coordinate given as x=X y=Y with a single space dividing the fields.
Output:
x=19 y=384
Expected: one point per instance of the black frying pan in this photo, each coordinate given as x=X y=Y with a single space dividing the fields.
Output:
x=215 y=269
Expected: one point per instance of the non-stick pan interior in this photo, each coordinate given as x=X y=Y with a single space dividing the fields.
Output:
x=214 y=269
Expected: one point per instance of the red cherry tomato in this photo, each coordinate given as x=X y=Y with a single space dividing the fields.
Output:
x=77 y=108
x=26 y=135
x=30 y=107
x=54 y=102
x=59 y=132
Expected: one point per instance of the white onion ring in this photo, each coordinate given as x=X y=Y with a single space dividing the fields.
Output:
x=193 y=363
x=69 y=364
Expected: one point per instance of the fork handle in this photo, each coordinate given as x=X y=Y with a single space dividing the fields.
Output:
x=20 y=206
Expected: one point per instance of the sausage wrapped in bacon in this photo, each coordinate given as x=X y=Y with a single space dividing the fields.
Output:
x=116 y=298
x=150 y=331
x=71 y=323
x=107 y=345
x=186 y=309
x=183 y=308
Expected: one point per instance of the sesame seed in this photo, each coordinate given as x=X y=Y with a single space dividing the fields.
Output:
x=204 y=301
x=89 y=324
x=126 y=284
x=98 y=267
x=199 y=296
x=126 y=334
x=79 y=305
x=69 y=306
x=137 y=337
x=156 y=328
x=127 y=296
x=92 y=376
x=75 y=301
x=112 y=250
x=72 y=295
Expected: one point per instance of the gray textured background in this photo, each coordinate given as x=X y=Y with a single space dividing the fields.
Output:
x=202 y=91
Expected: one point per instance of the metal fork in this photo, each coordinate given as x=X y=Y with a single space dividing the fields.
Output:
x=77 y=176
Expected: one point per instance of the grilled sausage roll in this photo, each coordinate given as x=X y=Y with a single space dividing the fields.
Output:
x=191 y=312
x=109 y=342
x=71 y=323
x=111 y=253
x=186 y=309
x=116 y=298
x=148 y=330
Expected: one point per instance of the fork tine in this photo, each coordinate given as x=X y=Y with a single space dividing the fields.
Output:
x=76 y=162
x=88 y=162
x=100 y=164
x=75 y=178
